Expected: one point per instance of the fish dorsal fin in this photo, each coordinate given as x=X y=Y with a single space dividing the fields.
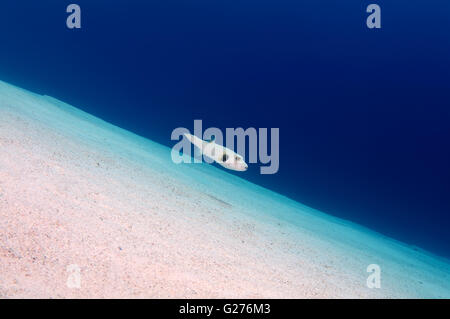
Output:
x=212 y=140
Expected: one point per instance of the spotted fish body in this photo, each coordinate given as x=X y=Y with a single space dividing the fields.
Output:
x=220 y=154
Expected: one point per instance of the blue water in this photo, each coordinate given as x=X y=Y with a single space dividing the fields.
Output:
x=363 y=114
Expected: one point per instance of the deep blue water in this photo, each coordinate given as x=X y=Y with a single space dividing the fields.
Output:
x=364 y=115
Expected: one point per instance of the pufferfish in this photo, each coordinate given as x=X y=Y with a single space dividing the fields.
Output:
x=220 y=154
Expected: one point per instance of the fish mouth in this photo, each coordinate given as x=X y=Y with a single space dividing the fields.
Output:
x=238 y=169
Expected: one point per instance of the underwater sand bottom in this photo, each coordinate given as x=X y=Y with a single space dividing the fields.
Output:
x=136 y=231
x=63 y=204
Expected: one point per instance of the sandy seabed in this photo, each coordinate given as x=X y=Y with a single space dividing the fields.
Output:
x=79 y=193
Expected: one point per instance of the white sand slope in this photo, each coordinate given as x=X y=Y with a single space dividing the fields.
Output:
x=75 y=190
